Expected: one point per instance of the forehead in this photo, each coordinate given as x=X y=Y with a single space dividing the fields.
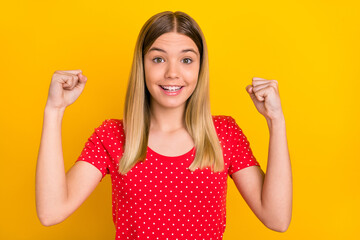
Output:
x=175 y=41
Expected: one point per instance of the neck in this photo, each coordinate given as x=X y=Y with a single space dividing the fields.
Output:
x=167 y=119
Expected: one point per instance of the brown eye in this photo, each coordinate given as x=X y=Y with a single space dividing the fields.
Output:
x=187 y=60
x=158 y=60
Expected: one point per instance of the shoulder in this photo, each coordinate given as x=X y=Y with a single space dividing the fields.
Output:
x=223 y=121
x=110 y=126
x=226 y=127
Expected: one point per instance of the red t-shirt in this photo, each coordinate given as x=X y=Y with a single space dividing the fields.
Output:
x=160 y=198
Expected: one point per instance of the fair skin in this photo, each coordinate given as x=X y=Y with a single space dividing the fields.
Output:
x=172 y=60
x=58 y=194
x=269 y=196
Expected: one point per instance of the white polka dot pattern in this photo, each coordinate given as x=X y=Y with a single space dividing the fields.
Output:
x=95 y=153
x=240 y=152
x=160 y=198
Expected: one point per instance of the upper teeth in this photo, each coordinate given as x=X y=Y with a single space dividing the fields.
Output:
x=171 y=88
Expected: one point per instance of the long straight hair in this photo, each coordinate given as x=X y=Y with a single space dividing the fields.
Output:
x=198 y=118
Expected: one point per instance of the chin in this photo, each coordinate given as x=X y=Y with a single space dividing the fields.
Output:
x=173 y=106
x=170 y=105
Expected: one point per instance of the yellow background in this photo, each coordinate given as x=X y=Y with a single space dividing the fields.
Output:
x=310 y=47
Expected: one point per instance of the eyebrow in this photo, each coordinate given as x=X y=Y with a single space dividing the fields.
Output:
x=161 y=50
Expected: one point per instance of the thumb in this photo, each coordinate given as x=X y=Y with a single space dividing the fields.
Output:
x=249 y=89
x=82 y=78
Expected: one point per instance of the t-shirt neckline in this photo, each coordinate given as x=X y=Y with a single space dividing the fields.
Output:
x=171 y=157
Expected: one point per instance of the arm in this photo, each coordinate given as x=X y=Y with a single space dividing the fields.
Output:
x=59 y=194
x=270 y=196
x=50 y=187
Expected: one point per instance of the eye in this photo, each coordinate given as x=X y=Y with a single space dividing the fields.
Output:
x=187 y=60
x=158 y=60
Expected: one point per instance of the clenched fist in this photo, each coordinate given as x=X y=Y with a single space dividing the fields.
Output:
x=65 y=88
x=265 y=95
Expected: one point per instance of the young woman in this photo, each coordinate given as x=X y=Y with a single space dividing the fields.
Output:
x=168 y=158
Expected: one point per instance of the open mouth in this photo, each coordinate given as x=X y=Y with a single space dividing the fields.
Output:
x=171 y=88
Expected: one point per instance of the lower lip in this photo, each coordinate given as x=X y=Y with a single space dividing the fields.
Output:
x=172 y=93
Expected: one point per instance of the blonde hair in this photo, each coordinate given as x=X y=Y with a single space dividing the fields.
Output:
x=198 y=118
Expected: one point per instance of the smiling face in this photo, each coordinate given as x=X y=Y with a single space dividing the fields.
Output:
x=171 y=70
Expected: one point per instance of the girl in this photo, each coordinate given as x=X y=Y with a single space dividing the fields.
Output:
x=168 y=158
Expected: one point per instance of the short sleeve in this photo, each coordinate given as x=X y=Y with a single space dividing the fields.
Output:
x=241 y=153
x=95 y=153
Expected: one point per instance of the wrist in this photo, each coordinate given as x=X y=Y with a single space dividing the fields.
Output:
x=54 y=110
x=278 y=121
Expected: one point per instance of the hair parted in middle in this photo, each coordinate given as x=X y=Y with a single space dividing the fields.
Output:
x=198 y=118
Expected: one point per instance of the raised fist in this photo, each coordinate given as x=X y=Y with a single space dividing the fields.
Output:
x=65 y=88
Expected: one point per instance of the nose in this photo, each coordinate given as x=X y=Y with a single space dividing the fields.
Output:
x=172 y=70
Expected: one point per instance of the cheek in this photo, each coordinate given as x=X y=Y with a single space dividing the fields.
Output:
x=146 y=69
x=148 y=74
x=192 y=75
x=152 y=73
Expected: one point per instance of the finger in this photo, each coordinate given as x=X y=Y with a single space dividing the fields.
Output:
x=249 y=88
x=259 y=97
x=257 y=82
x=260 y=86
x=71 y=82
x=273 y=82
x=82 y=78
x=74 y=82
x=254 y=98
x=258 y=79
x=76 y=72
x=63 y=79
x=67 y=83
x=71 y=79
x=263 y=93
